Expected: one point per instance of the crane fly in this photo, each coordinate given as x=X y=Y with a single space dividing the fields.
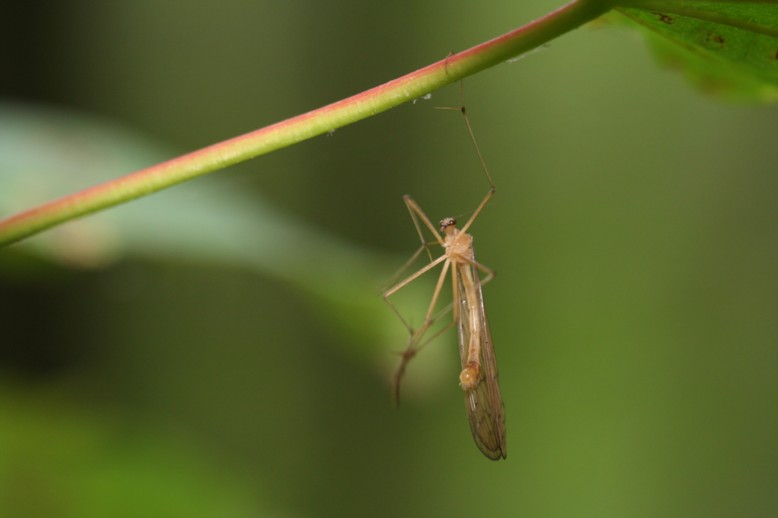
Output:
x=478 y=378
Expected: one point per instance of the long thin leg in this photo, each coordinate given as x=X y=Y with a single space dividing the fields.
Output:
x=481 y=159
x=416 y=214
x=416 y=211
x=478 y=210
x=472 y=138
x=397 y=287
x=463 y=110
x=399 y=274
x=414 y=342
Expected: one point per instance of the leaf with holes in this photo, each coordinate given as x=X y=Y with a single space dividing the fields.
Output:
x=724 y=47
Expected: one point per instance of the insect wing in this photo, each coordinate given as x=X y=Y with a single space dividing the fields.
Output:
x=485 y=410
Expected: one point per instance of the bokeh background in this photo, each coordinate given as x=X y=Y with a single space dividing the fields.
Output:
x=221 y=349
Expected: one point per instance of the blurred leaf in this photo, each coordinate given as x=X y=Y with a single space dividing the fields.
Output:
x=724 y=47
x=46 y=153
x=57 y=459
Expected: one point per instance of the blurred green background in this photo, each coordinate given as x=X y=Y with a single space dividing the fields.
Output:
x=221 y=349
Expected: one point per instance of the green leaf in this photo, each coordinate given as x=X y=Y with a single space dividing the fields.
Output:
x=724 y=47
x=62 y=459
x=46 y=153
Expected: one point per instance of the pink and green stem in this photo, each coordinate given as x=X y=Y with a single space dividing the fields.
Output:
x=301 y=127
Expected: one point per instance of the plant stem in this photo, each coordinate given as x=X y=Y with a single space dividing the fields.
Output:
x=302 y=127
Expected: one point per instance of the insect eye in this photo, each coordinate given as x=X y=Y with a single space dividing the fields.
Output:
x=447 y=222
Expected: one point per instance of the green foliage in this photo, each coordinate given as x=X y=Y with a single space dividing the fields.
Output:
x=728 y=48
x=633 y=313
x=59 y=459
x=59 y=152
